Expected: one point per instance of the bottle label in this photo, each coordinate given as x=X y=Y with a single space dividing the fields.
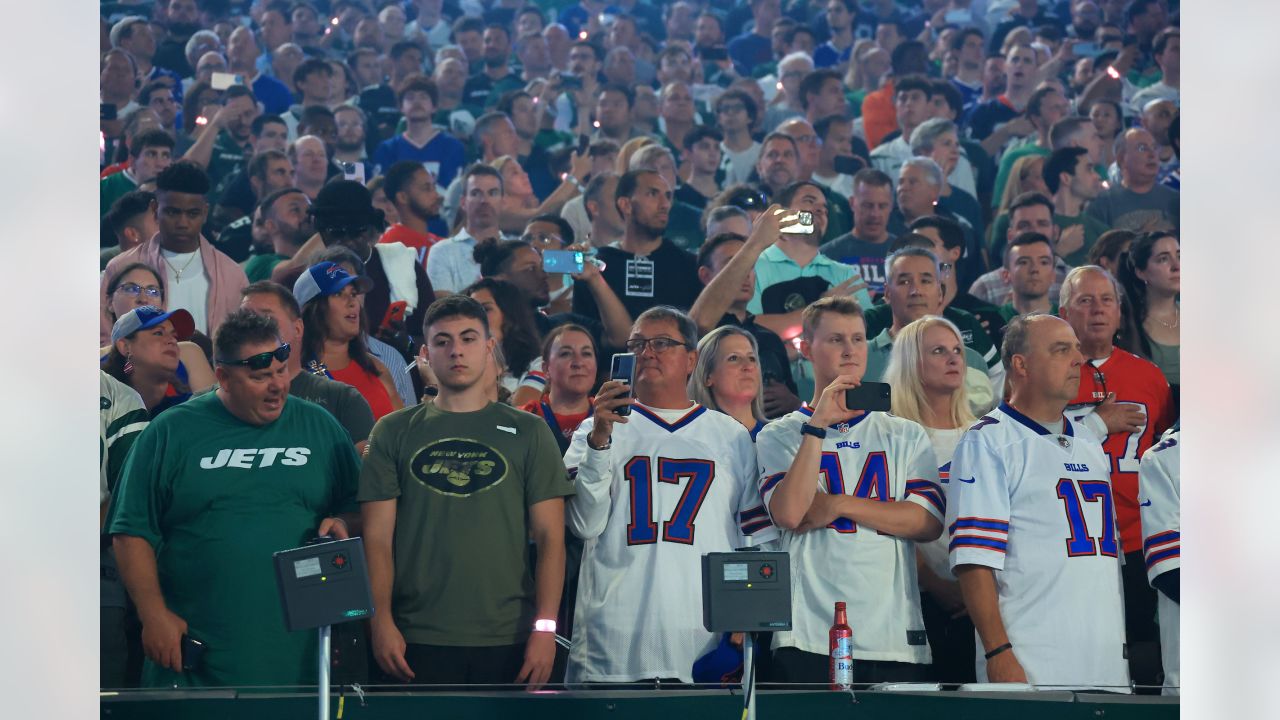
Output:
x=842 y=662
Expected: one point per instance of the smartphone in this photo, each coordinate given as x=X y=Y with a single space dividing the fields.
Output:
x=1086 y=49
x=569 y=81
x=395 y=313
x=562 y=261
x=584 y=142
x=192 y=653
x=800 y=223
x=107 y=111
x=958 y=17
x=222 y=81
x=624 y=369
x=869 y=396
x=353 y=171
x=714 y=54
x=848 y=165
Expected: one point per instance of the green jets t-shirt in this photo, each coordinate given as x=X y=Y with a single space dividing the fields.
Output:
x=216 y=497
x=464 y=483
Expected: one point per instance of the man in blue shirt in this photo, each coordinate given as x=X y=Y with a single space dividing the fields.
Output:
x=754 y=48
x=422 y=141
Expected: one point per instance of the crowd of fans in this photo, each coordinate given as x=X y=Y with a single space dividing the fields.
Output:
x=297 y=196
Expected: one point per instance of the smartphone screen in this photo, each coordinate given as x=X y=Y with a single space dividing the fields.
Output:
x=624 y=369
x=584 y=141
x=395 y=313
x=570 y=82
x=869 y=396
x=848 y=165
x=562 y=261
x=715 y=54
x=1086 y=49
x=800 y=223
x=353 y=171
x=222 y=81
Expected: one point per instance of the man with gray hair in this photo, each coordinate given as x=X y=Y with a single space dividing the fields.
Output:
x=637 y=506
x=792 y=70
x=913 y=289
x=1125 y=400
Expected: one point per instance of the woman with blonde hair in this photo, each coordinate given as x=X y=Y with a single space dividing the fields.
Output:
x=727 y=376
x=623 y=162
x=520 y=204
x=1026 y=175
x=926 y=371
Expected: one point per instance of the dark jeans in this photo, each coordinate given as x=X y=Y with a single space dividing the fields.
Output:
x=952 y=642
x=791 y=665
x=448 y=665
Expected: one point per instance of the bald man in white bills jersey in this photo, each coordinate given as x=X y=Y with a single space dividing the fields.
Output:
x=655 y=492
x=1031 y=521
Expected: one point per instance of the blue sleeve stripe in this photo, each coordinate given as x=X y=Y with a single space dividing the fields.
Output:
x=771 y=482
x=1161 y=539
x=934 y=498
x=755 y=512
x=1166 y=554
x=753 y=528
x=1000 y=526
x=974 y=541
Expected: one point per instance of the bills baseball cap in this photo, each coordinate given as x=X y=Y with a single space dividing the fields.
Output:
x=149 y=316
x=326 y=278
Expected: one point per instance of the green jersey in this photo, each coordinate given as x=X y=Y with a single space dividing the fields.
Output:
x=216 y=497
x=463 y=484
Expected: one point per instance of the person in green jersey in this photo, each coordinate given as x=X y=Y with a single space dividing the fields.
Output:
x=451 y=493
x=210 y=491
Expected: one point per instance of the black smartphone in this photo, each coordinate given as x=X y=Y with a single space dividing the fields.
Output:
x=192 y=653
x=569 y=81
x=584 y=142
x=714 y=54
x=869 y=396
x=107 y=111
x=624 y=369
x=848 y=165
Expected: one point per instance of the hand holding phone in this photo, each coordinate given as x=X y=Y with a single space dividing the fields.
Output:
x=567 y=262
x=868 y=396
x=623 y=368
x=192 y=653
x=799 y=223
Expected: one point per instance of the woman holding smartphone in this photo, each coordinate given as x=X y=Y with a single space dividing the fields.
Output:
x=926 y=371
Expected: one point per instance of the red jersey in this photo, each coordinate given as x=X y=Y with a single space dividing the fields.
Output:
x=421 y=242
x=562 y=426
x=1138 y=382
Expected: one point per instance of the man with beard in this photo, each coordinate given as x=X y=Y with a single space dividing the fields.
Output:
x=778 y=165
x=644 y=270
x=350 y=144
x=286 y=225
x=412 y=190
x=269 y=171
x=485 y=87
x=183 y=20
x=221 y=148
x=422 y=141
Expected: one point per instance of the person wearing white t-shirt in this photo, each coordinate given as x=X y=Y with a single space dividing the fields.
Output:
x=1032 y=529
x=736 y=113
x=451 y=265
x=926 y=373
x=655 y=491
x=851 y=493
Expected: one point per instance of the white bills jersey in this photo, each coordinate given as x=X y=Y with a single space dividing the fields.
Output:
x=1037 y=507
x=879 y=457
x=1159 y=488
x=668 y=490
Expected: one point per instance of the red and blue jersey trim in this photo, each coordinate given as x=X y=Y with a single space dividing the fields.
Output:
x=1162 y=546
x=754 y=520
x=981 y=533
x=771 y=482
x=929 y=491
x=693 y=414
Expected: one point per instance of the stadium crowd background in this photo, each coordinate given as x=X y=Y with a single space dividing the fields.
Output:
x=1012 y=141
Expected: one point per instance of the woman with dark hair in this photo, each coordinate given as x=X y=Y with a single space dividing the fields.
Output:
x=333 y=329
x=1109 y=122
x=512 y=326
x=147 y=354
x=570 y=357
x=1110 y=250
x=1151 y=273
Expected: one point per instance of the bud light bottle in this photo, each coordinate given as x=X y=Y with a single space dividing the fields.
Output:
x=841 y=651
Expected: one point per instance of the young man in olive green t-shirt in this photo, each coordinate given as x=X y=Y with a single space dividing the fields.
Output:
x=451 y=493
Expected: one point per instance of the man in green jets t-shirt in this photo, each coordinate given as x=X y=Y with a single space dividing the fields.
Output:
x=210 y=491
x=451 y=493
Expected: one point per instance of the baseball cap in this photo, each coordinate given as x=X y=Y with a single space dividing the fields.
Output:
x=326 y=278
x=345 y=202
x=149 y=316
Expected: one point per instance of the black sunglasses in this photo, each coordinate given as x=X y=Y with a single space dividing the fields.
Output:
x=261 y=361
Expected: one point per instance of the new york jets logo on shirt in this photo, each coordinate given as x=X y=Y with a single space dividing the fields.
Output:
x=455 y=466
x=248 y=458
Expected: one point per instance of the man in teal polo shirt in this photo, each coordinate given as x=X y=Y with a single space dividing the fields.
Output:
x=913 y=289
x=792 y=274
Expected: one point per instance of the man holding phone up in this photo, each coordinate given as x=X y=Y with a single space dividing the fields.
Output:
x=660 y=482
x=851 y=490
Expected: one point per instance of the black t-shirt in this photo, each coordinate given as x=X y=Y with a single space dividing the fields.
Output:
x=690 y=196
x=673 y=280
x=984 y=118
x=774 y=364
x=236 y=239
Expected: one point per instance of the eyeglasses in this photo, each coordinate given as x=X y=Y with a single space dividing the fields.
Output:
x=659 y=344
x=542 y=239
x=731 y=108
x=261 y=361
x=135 y=290
x=1098 y=398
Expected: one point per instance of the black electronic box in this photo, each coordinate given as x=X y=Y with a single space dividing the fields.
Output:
x=746 y=591
x=324 y=584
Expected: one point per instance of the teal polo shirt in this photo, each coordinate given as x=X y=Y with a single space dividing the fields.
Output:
x=773 y=266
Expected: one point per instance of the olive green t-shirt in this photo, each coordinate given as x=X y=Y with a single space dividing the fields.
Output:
x=217 y=497
x=464 y=483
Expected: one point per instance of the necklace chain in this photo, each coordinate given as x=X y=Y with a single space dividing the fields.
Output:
x=176 y=271
x=1177 y=313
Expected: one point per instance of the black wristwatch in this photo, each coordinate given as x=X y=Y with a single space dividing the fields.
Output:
x=814 y=430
